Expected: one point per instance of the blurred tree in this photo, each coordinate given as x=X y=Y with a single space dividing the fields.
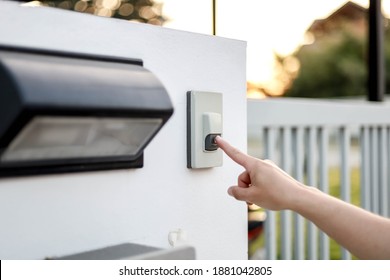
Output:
x=334 y=66
x=145 y=11
x=334 y=63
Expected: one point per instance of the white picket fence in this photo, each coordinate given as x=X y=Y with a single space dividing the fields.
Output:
x=307 y=138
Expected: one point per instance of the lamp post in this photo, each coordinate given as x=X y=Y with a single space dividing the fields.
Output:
x=214 y=18
x=376 y=64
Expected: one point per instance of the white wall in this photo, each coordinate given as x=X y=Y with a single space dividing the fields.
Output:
x=55 y=215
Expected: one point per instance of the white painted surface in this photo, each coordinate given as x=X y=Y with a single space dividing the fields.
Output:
x=64 y=214
x=317 y=112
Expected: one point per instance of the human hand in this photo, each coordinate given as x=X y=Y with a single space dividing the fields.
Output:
x=262 y=182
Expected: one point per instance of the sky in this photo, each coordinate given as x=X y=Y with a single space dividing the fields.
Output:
x=267 y=26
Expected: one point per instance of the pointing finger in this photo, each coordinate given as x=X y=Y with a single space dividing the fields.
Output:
x=234 y=153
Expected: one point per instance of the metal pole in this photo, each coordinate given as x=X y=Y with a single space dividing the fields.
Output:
x=214 y=18
x=376 y=64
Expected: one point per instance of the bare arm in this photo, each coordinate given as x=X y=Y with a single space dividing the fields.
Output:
x=364 y=234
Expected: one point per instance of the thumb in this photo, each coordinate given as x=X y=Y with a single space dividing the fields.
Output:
x=239 y=193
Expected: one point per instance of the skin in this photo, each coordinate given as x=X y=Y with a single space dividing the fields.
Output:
x=364 y=234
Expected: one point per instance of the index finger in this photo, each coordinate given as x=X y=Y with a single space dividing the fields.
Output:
x=234 y=153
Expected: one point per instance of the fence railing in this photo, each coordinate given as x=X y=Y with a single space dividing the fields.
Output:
x=308 y=139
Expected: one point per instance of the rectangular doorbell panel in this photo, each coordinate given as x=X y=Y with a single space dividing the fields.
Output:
x=204 y=123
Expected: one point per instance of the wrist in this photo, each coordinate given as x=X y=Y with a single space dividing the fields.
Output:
x=303 y=196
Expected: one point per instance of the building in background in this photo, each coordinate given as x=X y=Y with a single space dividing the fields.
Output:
x=333 y=62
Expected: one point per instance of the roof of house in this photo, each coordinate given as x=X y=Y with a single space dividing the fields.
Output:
x=350 y=11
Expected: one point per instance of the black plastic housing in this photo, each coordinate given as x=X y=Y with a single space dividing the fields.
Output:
x=50 y=83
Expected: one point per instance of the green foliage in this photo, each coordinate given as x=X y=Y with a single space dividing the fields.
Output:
x=332 y=67
x=387 y=54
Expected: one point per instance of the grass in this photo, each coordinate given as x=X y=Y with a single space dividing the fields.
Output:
x=334 y=190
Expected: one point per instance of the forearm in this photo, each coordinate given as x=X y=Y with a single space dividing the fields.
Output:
x=365 y=235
